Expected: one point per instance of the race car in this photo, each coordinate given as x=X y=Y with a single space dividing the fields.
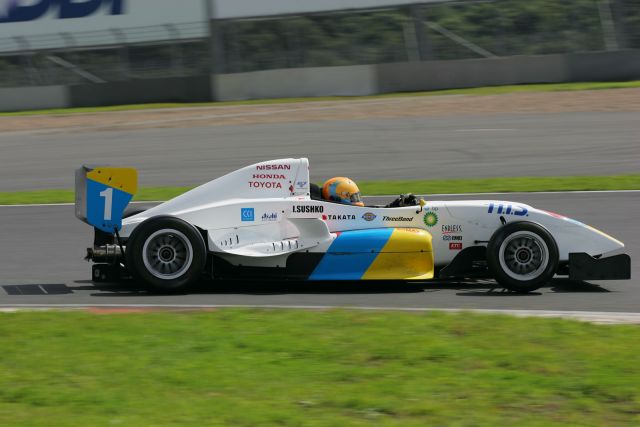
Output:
x=267 y=221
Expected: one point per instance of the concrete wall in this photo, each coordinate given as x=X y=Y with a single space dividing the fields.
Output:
x=186 y=89
x=33 y=98
x=326 y=81
x=434 y=75
x=430 y=75
x=604 y=66
x=297 y=82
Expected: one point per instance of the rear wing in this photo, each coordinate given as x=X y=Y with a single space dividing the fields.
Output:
x=102 y=194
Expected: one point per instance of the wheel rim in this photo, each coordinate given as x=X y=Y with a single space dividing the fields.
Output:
x=167 y=254
x=524 y=256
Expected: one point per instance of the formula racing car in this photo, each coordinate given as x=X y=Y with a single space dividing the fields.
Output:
x=267 y=221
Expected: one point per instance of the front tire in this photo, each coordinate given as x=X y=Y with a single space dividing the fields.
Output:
x=166 y=253
x=522 y=256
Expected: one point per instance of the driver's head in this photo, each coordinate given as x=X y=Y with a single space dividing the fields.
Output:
x=342 y=190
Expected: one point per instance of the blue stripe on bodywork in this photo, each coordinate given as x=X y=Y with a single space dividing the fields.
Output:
x=351 y=254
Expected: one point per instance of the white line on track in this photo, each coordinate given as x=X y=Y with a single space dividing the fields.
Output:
x=431 y=197
x=483 y=130
x=587 y=316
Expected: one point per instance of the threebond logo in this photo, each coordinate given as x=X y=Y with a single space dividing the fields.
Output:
x=30 y=10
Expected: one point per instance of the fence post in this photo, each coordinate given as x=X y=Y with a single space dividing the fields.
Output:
x=607 y=24
x=216 y=47
x=177 y=63
x=123 y=51
x=619 y=14
x=425 y=52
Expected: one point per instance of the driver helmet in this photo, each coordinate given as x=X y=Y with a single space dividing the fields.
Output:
x=342 y=190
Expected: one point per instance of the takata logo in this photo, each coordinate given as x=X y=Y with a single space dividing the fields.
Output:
x=30 y=10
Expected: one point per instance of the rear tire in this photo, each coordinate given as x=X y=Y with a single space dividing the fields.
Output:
x=166 y=253
x=522 y=256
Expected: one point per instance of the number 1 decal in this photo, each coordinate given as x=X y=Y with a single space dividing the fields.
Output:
x=108 y=202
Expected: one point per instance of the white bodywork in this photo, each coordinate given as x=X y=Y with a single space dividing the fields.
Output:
x=285 y=219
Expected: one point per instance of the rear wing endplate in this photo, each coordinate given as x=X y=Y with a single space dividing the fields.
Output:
x=103 y=193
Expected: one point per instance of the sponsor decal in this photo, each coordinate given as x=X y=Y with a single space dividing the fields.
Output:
x=449 y=237
x=268 y=184
x=268 y=176
x=12 y=11
x=247 y=214
x=301 y=184
x=369 y=216
x=501 y=209
x=412 y=230
x=451 y=228
x=307 y=209
x=430 y=219
x=455 y=246
x=397 y=218
x=273 y=167
x=273 y=216
x=338 y=217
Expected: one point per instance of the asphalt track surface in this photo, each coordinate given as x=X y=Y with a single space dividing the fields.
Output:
x=43 y=246
x=417 y=148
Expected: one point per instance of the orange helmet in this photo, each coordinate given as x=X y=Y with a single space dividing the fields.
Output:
x=342 y=190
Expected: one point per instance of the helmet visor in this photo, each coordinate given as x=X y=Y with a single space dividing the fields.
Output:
x=355 y=198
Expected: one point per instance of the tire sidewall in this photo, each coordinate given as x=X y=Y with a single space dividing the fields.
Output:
x=493 y=256
x=136 y=243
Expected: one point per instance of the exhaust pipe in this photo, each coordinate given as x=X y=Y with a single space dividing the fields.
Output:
x=104 y=254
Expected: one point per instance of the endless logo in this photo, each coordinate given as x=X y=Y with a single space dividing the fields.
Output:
x=307 y=209
x=451 y=228
x=13 y=11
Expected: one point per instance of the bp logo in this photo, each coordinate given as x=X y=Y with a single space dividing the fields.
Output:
x=430 y=219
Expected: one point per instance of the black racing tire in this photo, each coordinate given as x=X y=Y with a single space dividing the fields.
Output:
x=166 y=253
x=522 y=256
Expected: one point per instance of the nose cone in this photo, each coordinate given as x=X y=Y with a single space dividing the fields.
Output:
x=574 y=236
x=608 y=242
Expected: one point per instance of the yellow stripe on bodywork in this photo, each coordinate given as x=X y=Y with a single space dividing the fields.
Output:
x=407 y=255
x=125 y=179
x=602 y=233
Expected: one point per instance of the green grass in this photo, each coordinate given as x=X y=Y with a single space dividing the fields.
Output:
x=372 y=188
x=320 y=368
x=489 y=90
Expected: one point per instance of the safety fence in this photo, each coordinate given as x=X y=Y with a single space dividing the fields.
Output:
x=350 y=80
x=427 y=32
